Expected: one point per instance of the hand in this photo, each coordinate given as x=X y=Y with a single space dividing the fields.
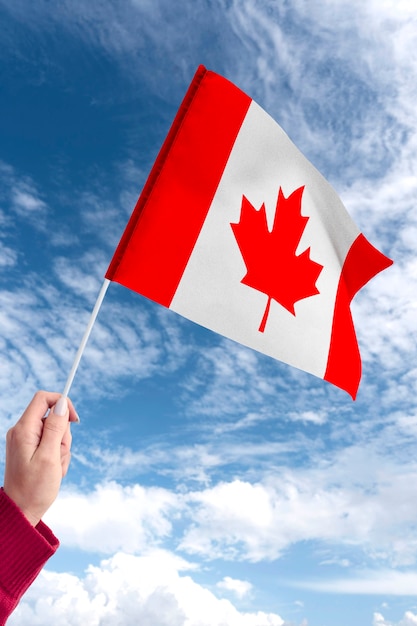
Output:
x=38 y=454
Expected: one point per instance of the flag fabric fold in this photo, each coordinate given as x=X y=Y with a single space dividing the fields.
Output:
x=237 y=231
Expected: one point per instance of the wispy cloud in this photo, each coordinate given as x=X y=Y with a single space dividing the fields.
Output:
x=380 y=582
x=8 y=256
x=22 y=196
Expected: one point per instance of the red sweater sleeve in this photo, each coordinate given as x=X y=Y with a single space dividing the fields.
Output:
x=24 y=550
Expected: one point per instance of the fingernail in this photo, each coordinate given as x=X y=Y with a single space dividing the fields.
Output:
x=77 y=418
x=61 y=406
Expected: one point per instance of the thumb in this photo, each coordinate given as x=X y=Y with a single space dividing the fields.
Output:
x=61 y=407
x=55 y=426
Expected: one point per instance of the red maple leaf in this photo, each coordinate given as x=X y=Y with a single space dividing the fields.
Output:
x=270 y=257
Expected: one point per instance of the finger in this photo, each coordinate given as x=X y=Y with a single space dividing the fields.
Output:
x=66 y=451
x=55 y=427
x=73 y=415
x=39 y=406
x=41 y=402
x=66 y=440
x=65 y=463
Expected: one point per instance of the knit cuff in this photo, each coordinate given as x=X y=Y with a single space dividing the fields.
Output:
x=24 y=549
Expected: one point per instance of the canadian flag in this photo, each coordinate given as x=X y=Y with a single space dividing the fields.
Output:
x=237 y=231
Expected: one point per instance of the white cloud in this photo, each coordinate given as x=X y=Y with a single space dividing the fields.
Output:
x=359 y=496
x=386 y=327
x=112 y=517
x=83 y=276
x=380 y=582
x=409 y=619
x=312 y=417
x=21 y=194
x=238 y=519
x=128 y=590
x=26 y=200
x=196 y=463
x=335 y=561
x=349 y=502
x=240 y=588
x=8 y=256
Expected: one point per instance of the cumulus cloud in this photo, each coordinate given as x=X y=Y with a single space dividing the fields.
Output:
x=238 y=587
x=129 y=590
x=242 y=521
x=409 y=619
x=258 y=521
x=360 y=495
x=112 y=517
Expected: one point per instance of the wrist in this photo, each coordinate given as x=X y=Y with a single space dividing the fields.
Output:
x=31 y=518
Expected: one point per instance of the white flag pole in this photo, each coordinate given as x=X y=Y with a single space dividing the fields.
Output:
x=84 y=340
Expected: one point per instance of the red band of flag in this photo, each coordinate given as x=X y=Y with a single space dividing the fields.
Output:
x=167 y=219
x=344 y=367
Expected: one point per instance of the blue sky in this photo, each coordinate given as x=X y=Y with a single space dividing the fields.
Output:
x=210 y=485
